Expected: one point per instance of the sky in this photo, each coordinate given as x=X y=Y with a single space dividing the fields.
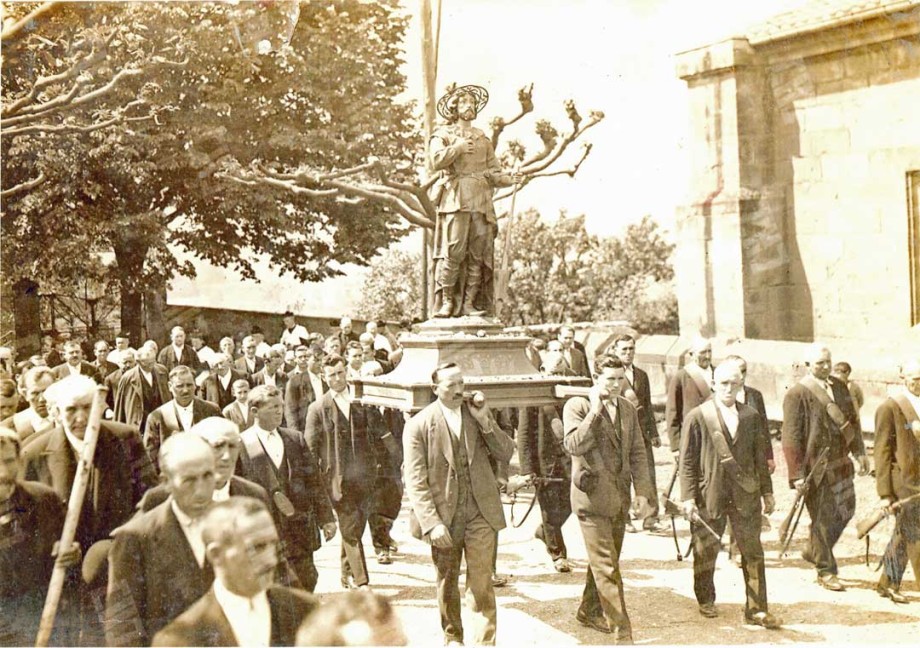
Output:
x=616 y=56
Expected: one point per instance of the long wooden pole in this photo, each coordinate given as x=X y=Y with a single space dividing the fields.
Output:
x=74 y=507
x=430 y=73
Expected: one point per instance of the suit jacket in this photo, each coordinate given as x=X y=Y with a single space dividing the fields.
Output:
x=703 y=476
x=300 y=479
x=105 y=369
x=588 y=438
x=129 y=399
x=753 y=398
x=539 y=442
x=281 y=380
x=643 y=390
x=233 y=412
x=122 y=473
x=683 y=395
x=298 y=395
x=579 y=365
x=214 y=392
x=807 y=430
x=153 y=577
x=163 y=422
x=111 y=382
x=188 y=357
x=344 y=448
x=430 y=475
x=205 y=624
x=86 y=369
x=897 y=453
x=241 y=366
x=238 y=487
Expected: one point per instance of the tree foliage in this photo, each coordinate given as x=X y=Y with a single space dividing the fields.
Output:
x=217 y=97
x=392 y=289
x=560 y=273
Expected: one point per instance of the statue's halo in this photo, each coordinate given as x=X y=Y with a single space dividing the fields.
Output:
x=480 y=93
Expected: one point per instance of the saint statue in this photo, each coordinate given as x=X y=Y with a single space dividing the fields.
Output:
x=466 y=225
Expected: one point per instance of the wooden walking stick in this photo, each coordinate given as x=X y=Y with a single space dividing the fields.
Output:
x=74 y=507
x=504 y=274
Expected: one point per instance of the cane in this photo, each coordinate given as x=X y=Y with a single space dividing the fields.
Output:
x=74 y=507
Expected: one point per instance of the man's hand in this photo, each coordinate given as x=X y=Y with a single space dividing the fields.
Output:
x=482 y=414
x=440 y=537
x=643 y=509
x=69 y=558
x=689 y=509
x=769 y=504
x=596 y=396
x=676 y=455
x=517 y=482
x=771 y=465
x=863 y=464
x=329 y=530
x=799 y=485
x=655 y=441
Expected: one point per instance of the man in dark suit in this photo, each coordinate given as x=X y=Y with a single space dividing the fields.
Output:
x=341 y=436
x=897 y=476
x=128 y=360
x=178 y=353
x=303 y=387
x=754 y=398
x=249 y=363
x=818 y=414
x=238 y=411
x=157 y=566
x=218 y=386
x=102 y=365
x=638 y=391
x=449 y=448
x=74 y=364
x=271 y=373
x=243 y=607
x=575 y=359
x=141 y=390
x=540 y=452
x=178 y=414
x=35 y=418
x=346 y=333
x=31 y=521
x=279 y=460
x=724 y=476
x=608 y=455
x=689 y=387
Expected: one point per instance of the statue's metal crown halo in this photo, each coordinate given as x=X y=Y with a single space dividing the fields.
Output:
x=481 y=95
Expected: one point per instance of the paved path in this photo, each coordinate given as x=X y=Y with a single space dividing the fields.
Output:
x=538 y=606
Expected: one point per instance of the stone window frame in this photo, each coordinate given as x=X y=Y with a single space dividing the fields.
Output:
x=913 y=243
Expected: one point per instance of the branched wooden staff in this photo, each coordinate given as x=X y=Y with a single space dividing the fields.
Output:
x=74 y=507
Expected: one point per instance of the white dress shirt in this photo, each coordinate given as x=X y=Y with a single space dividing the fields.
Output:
x=39 y=424
x=225 y=379
x=251 y=364
x=269 y=379
x=178 y=352
x=316 y=383
x=191 y=527
x=273 y=444
x=222 y=494
x=293 y=338
x=342 y=402
x=454 y=418
x=244 y=410
x=611 y=410
x=249 y=618
x=74 y=371
x=913 y=400
x=630 y=375
x=730 y=417
x=185 y=415
x=148 y=376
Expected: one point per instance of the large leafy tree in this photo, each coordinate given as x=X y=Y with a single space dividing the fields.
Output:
x=392 y=289
x=221 y=85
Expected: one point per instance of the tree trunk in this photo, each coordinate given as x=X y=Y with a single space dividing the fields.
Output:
x=155 y=302
x=27 y=318
x=132 y=310
x=130 y=253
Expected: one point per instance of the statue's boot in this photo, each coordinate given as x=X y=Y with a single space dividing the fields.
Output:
x=447 y=308
x=473 y=280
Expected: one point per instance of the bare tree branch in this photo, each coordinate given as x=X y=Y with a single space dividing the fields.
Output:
x=498 y=124
x=15 y=28
x=59 y=129
x=23 y=186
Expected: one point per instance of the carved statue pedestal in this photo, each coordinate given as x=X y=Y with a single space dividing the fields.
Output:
x=492 y=362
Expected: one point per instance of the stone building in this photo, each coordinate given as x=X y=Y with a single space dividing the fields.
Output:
x=803 y=221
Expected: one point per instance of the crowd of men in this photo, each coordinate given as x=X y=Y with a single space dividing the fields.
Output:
x=217 y=476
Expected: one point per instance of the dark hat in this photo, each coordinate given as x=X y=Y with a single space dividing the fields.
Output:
x=288 y=314
x=256 y=329
x=479 y=93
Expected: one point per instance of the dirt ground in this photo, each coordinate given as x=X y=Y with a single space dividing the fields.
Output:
x=538 y=605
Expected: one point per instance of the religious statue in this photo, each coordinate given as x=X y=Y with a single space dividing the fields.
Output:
x=466 y=225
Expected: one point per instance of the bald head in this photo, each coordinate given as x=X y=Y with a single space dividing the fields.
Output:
x=726 y=382
x=187 y=464
x=910 y=372
x=818 y=359
x=223 y=437
x=701 y=350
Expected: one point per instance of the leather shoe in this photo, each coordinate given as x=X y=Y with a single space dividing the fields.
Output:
x=383 y=557
x=708 y=610
x=562 y=566
x=630 y=528
x=764 y=619
x=831 y=582
x=596 y=622
x=348 y=582
x=499 y=581
x=892 y=593
x=652 y=524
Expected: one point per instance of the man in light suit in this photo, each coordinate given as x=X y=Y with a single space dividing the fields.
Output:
x=724 y=476
x=690 y=386
x=451 y=486
x=243 y=607
x=178 y=352
x=34 y=419
x=74 y=364
x=304 y=386
x=141 y=389
x=157 y=566
x=239 y=411
x=178 y=414
x=608 y=455
x=218 y=386
x=341 y=436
